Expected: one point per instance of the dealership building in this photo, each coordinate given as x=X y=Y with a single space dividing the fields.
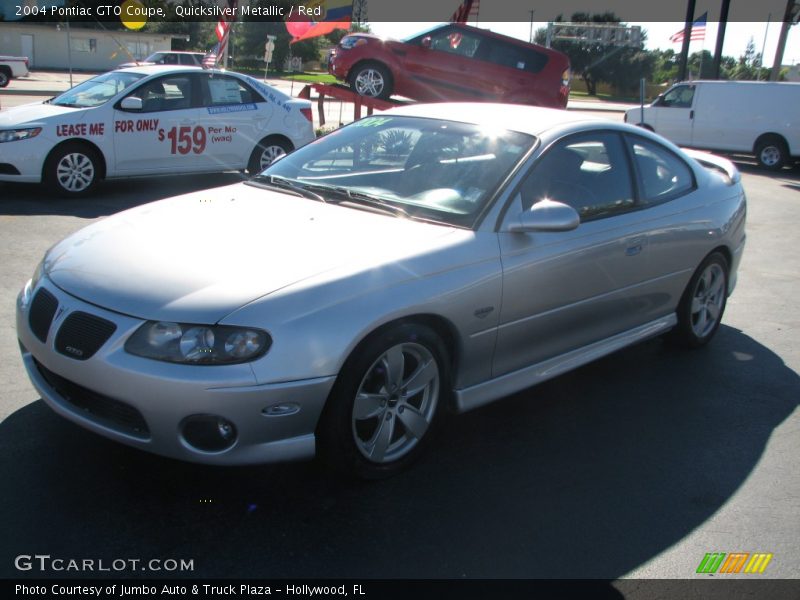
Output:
x=89 y=49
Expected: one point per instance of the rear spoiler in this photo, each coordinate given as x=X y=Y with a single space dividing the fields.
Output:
x=716 y=163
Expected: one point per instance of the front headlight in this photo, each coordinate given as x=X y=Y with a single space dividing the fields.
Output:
x=27 y=291
x=193 y=344
x=14 y=135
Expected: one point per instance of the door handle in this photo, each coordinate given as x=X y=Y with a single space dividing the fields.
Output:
x=691 y=114
x=634 y=246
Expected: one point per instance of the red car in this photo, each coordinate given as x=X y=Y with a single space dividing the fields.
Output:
x=453 y=62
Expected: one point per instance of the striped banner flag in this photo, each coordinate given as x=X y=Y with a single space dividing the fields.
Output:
x=698 y=31
x=467 y=9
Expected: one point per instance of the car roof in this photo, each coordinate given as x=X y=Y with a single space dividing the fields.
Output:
x=161 y=69
x=533 y=120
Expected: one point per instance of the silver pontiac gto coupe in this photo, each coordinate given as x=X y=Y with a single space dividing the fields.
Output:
x=432 y=257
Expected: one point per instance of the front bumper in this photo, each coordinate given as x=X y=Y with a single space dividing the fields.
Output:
x=144 y=403
x=23 y=160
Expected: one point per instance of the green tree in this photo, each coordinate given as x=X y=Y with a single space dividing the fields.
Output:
x=621 y=67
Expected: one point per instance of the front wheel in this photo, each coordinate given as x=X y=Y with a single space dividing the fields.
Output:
x=5 y=78
x=72 y=170
x=267 y=152
x=703 y=303
x=371 y=80
x=386 y=404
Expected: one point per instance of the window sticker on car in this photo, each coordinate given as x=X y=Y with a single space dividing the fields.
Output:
x=372 y=122
x=224 y=91
x=231 y=108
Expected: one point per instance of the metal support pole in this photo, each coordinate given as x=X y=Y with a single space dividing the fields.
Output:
x=687 y=38
x=723 y=22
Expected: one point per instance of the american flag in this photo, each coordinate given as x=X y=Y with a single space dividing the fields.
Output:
x=467 y=9
x=698 y=31
x=211 y=57
x=220 y=49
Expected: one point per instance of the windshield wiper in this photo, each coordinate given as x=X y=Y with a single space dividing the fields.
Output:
x=67 y=104
x=282 y=183
x=344 y=194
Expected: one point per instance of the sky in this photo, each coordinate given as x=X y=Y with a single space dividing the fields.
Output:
x=737 y=35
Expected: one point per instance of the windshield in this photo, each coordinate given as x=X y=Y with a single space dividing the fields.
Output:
x=407 y=166
x=97 y=91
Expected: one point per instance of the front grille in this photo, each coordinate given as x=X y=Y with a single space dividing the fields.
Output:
x=82 y=334
x=106 y=411
x=43 y=308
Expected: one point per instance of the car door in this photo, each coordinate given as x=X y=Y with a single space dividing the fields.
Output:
x=167 y=134
x=235 y=118
x=673 y=114
x=564 y=290
x=668 y=197
x=446 y=68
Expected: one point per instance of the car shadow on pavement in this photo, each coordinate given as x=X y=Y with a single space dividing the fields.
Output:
x=109 y=197
x=589 y=475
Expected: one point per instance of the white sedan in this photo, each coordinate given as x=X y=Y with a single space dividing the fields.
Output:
x=149 y=121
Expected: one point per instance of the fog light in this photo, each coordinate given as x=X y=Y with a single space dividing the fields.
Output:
x=208 y=433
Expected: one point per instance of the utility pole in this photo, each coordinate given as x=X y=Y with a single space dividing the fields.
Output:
x=530 y=37
x=687 y=38
x=789 y=19
x=723 y=22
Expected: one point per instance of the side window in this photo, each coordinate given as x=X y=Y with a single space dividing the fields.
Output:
x=454 y=41
x=662 y=175
x=678 y=97
x=187 y=59
x=173 y=92
x=220 y=90
x=588 y=172
x=511 y=56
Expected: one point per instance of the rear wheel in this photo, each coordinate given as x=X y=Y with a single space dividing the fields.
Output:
x=703 y=303
x=386 y=404
x=371 y=79
x=5 y=77
x=772 y=153
x=266 y=152
x=72 y=169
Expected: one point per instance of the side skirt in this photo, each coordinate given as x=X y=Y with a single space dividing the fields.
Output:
x=488 y=391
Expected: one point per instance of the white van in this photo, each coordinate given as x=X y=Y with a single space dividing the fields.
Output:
x=754 y=117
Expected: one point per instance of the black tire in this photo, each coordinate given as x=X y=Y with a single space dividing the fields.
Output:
x=371 y=79
x=73 y=170
x=5 y=77
x=395 y=424
x=772 y=153
x=704 y=298
x=265 y=153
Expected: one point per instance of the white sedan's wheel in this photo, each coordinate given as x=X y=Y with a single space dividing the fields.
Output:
x=266 y=152
x=73 y=170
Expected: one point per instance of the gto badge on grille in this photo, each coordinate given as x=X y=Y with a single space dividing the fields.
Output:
x=74 y=351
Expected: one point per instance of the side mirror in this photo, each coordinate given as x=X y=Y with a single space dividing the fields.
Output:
x=131 y=103
x=546 y=215
x=426 y=42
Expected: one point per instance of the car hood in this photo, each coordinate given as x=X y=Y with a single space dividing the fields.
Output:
x=31 y=114
x=198 y=257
